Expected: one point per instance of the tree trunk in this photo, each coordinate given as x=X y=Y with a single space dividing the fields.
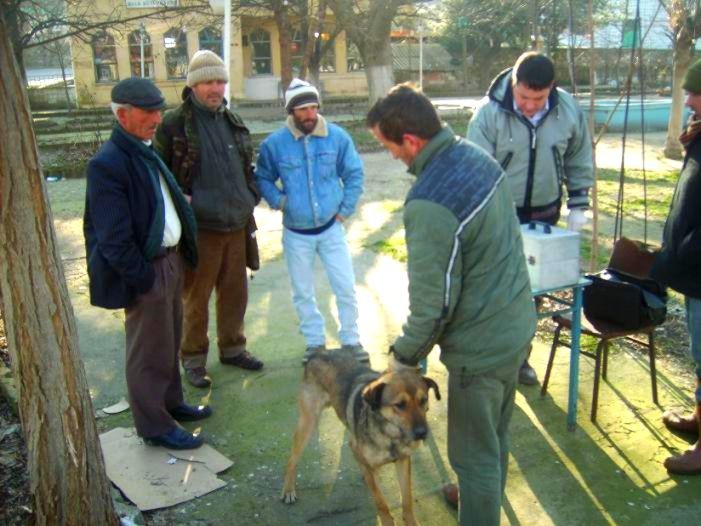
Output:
x=682 y=55
x=66 y=469
x=378 y=67
x=58 y=47
x=314 y=24
x=285 y=41
x=369 y=28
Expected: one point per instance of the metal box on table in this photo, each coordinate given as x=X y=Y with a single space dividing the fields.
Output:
x=552 y=255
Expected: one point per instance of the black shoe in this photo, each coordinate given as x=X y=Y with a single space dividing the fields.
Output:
x=198 y=377
x=245 y=360
x=177 y=438
x=527 y=375
x=190 y=413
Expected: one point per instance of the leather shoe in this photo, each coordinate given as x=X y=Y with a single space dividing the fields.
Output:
x=527 y=375
x=176 y=438
x=451 y=495
x=190 y=413
x=197 y=376
x=245 y=360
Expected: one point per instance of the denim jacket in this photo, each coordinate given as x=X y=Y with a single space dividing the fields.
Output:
x=320 y=174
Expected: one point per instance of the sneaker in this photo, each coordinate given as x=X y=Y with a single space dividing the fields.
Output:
x=198 y=377
x=245 y=360
x=527 y=375
x=176 y=438
x=310 y=351
x=359 y=353
x=451 y=495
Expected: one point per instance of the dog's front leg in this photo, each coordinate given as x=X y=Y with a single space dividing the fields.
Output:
x=403 y=467
x=311 y=403
x=370 y=479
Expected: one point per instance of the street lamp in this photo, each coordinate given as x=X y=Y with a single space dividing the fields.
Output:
x=421 y=56
x=142 y=34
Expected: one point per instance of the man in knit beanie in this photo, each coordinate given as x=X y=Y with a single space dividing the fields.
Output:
x=678 y=265
x=321 y=178
x=208 y=148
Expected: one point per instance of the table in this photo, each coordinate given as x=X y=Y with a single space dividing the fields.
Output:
x=575 y=308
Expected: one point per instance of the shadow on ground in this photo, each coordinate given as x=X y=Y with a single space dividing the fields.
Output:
x=610 y=472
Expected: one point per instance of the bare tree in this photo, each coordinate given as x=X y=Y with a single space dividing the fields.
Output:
x=685 y=27
x=368 y=25
x=32 y=23
x=66 y=469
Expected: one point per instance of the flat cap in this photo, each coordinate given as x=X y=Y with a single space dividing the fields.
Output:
x=139 y=92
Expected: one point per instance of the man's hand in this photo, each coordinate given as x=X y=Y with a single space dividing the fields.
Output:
x=395 y=365
x=188 y=198
x=576 y=219
x=340 y=218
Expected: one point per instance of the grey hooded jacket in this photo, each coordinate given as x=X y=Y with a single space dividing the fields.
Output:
x=537 y=160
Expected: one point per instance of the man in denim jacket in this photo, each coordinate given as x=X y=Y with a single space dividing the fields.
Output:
x=321 y=179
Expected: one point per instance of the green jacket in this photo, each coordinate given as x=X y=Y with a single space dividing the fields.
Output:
x=468 y=284
x=178 y=144
x=537 y=160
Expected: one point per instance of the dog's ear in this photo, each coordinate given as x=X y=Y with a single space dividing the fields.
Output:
x=430 y=384
x=372 y=394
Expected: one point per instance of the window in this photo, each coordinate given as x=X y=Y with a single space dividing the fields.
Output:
x=353 y=59
x=175 y=42
x=328 y=60
x=211 y=39
x=136 y=40
x=296 y=52
x=104 y=58
x=262 y=56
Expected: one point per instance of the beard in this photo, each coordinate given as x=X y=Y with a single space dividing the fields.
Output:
x=306 y=126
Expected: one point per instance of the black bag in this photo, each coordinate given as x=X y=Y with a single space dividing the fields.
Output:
x=624 y=300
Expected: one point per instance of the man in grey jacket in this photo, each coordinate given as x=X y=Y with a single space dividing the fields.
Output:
x=538 y=134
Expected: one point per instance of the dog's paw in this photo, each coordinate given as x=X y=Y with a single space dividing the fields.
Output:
x=288 y=496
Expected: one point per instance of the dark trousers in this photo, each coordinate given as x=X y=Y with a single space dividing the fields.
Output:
x=222 y=265
x=153 y=331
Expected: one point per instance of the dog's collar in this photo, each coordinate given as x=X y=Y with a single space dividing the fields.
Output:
x=355 y=397
x=350 y=407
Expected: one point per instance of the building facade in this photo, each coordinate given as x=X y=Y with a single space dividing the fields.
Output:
x=161 y=47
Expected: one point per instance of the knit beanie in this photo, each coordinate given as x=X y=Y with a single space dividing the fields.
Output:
x=205 y=66
x=692 y=79
x=300 y=94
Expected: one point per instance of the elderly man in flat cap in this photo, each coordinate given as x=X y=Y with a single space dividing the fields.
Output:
x=139 y=231
x=208 y=148
x=321 y=180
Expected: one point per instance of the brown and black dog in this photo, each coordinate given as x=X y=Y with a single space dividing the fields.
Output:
x=385 y=414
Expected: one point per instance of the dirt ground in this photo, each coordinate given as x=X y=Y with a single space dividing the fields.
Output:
x=604 y=473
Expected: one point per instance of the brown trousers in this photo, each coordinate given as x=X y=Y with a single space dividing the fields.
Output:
x=153 y=331
x=222 y=265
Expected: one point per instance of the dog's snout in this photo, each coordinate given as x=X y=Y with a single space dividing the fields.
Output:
x=420 y=432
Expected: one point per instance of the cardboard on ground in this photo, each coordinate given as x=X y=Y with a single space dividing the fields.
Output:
x=146 y=477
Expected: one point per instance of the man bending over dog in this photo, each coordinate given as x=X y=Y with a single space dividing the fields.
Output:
x=468 y=289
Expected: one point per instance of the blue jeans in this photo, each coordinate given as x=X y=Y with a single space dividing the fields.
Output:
x=693 y=322
x=300 y=252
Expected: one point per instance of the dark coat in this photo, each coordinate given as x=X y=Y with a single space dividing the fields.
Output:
x=120 y=207
x=678 y=264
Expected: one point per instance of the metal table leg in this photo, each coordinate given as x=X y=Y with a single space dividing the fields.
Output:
x=574 y=358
